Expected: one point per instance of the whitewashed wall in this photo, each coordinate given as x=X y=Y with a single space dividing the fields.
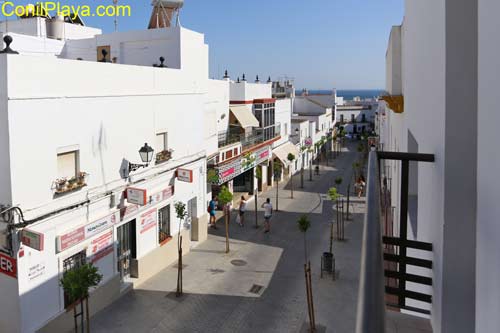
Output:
x=245 y=91
x=217 y=113
x=283 y=116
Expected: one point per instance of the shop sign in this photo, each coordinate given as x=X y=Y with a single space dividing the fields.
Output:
x=97 y=227
x=185 y=175
x=155 y=198
x=372 y=141
x=32 y=239
x=70 y=239
x=148 y=220
x=8 y=265
x=102 y=242
x=79 y=235
x=137 y=196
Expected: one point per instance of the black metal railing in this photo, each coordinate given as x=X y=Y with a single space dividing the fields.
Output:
x=254 y=137
x=384 y=269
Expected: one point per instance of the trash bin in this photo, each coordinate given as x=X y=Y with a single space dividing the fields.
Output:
x=328 y=262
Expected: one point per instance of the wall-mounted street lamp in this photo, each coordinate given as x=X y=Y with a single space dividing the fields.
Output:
x=146 y=154
x=296 y=131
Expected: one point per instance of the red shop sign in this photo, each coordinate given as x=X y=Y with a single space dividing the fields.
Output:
x=8 y=265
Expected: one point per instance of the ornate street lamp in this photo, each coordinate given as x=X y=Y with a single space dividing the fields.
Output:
x=146 y=154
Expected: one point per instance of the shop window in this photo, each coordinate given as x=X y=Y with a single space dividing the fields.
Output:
x=67 y=165
x=73 y=262
x=164 y=224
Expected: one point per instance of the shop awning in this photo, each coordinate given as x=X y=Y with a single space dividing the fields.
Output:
x=282 y=152
x=244 y=116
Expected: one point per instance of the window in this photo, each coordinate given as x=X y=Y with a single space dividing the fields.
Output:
x=73 y=262
x=67 y=165
x=161 y=142
x=286 y=129
x=363 y=118
x=341 y=118
x=235 y=151
x=229 y=154
x=164 y=224
x=352 y=118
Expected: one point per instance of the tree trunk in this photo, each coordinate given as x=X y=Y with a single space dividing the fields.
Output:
x=310 y=170
x=226 y=220
x=291 y=180
x=277 y=193
x=256 y=221
x=87 y=314
x=302 y=177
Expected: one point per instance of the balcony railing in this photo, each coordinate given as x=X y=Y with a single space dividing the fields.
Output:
x=255 y=137
x=375 y=273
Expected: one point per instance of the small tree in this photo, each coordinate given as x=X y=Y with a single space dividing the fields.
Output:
x=180 y=211
x=277 y=175
x=290 y=158
x=76 y=283
x=226 y=197
x=304 y=224
x=258 y=175
x=334 y=196
x=338 y=181
x=310 y=151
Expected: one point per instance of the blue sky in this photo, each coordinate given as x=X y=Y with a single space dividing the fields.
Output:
x=321 y=43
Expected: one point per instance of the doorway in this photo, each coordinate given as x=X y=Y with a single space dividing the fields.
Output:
x=192 y=210
x=126 y=248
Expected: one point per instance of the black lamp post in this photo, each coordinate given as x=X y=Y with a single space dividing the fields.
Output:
x=146 y=154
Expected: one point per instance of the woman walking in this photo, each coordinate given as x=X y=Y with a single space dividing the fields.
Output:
x=360 y=185
x=268 y=212
x=241 y=210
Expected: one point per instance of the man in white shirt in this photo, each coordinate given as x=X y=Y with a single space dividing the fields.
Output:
x=268 y=212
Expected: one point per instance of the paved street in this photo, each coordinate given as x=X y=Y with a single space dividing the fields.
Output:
x=259 y=286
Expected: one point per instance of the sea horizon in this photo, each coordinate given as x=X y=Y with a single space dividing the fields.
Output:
x=348 y=94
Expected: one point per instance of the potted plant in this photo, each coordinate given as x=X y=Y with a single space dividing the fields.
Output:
x=80 y=179
x=71 y=183
x=61 y=185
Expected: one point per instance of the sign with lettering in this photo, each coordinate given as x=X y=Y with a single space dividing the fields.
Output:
x=32 y=239
x=70 y=239
x=185 y=175
x=8 y=265
x=148 y=220
x=100 y=243
x=36 y=271
x=137 y=196
x=82 y=233
x=308 y=142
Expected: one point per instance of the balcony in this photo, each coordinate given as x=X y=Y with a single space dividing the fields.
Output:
x=254 y=137
x=385 y=260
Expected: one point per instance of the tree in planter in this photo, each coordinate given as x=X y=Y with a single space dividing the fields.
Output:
x=76 y=283
x=226 y=197
x=304 y=224
x=291 y=158
x=338 y=181
x=277 y=176
x=258 y=175
x=180 y=211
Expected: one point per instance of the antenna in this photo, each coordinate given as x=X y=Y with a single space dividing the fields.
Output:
x=115 y=3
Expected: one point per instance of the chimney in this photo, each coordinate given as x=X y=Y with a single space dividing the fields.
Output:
x=244 y=78
x=226 y=75
x=165 y=13
x=257 y=79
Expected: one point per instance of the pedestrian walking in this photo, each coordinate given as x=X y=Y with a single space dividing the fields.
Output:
x=241 y=211
x=360 y=185
x=211 y=210
x=268 y=212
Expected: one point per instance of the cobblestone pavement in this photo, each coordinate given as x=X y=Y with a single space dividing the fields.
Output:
x=259 y=286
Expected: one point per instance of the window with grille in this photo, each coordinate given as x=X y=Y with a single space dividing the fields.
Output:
x=164 y=224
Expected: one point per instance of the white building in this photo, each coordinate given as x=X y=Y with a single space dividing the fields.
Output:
x=84 y=121
x=443 y=73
